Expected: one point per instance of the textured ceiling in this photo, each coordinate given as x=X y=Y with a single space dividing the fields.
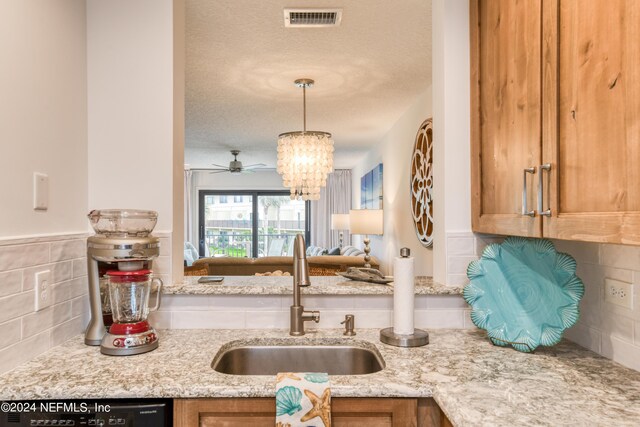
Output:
x=241 y=63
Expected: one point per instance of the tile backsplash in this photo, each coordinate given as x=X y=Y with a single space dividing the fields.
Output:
x=610 y=330
x=272 y=311
x=462 y=248
x=25 y=333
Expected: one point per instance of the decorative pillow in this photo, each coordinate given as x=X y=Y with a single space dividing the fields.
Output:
x=334 y=251
x=190 y=253
x=316 y=251
x=351 y=251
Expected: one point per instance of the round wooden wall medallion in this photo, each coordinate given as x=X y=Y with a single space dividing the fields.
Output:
x=422 y=183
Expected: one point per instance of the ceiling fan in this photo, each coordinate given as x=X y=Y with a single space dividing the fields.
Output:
x=235 y=166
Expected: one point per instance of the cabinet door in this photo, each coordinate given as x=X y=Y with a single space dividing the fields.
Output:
x=257 y=412
x=591 y=120
x=505 y=114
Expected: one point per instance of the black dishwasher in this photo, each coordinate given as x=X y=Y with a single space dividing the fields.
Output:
x=83 y=413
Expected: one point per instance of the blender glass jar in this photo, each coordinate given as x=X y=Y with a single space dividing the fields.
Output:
x=129 y=293
x=105 y=301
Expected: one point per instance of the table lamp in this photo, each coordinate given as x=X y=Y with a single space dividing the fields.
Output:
x=340 y=222
x=366 y=222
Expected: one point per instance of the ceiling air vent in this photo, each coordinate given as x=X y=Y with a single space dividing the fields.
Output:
x=312 y=18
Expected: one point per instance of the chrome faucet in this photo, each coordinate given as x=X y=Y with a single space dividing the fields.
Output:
x=300 y=279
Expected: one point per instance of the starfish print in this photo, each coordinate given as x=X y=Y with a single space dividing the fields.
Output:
x=279 y=424
x=283 y=375
x=321 y=407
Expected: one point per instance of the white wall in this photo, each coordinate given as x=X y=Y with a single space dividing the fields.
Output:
x=178 y=218
x=394 y=152
x=451 y=131
x=260 y=180
x=130 y=109
x=43 y=115
x=136 y=113
x=43 y=128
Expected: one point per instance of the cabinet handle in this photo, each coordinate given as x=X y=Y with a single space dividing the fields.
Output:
x=525 y=209
x=545 y=167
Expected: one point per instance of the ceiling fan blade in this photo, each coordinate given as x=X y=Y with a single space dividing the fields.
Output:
x=208 y=169
x=254 y=166
x=245 y=170
x=219 y=171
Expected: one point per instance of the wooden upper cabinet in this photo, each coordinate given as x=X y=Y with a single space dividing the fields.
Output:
x=505 y=114
x=557 y=83
x=591 y=124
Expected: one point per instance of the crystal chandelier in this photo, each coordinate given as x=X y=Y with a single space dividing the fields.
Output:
x=305 y=158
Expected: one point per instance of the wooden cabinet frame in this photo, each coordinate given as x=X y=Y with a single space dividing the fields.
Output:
x=346 y=411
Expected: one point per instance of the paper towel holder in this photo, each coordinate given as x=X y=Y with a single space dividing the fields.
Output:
x=417 y=339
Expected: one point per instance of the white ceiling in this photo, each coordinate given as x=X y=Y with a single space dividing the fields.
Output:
x=241 y=63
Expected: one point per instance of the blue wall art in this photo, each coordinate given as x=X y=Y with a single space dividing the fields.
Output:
x=371 y=189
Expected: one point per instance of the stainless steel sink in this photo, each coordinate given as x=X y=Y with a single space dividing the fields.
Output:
x=271 y=359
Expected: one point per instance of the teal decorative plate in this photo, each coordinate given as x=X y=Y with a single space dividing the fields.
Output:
x=524 y=293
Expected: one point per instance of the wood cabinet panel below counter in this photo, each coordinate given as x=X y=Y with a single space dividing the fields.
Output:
x=345 y=412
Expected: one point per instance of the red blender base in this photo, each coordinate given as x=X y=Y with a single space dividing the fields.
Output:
x=125 y=339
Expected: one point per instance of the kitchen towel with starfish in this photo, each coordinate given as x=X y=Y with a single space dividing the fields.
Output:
x=303 y=399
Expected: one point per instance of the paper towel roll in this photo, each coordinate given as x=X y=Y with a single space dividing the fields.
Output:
x=403 y=295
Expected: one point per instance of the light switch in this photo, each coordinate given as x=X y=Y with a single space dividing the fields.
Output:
x=40 y=191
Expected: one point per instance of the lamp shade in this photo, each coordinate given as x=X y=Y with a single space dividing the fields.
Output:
x=339 y=221
x=366 y=221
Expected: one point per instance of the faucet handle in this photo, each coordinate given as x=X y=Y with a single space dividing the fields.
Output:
x=349 y=325
x=311 y=315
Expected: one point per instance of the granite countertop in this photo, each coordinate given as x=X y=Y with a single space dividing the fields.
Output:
x=474 y=382
x=282 y=285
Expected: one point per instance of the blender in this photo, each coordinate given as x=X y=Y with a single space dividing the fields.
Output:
x=130 y=332
x=120 y=258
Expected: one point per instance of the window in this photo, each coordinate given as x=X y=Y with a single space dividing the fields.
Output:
x=256 y=224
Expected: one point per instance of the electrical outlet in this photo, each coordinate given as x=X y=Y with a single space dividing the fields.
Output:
x=618 y=293
x=43 y=290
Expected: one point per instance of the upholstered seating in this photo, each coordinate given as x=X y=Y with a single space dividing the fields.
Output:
x=324 y=265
